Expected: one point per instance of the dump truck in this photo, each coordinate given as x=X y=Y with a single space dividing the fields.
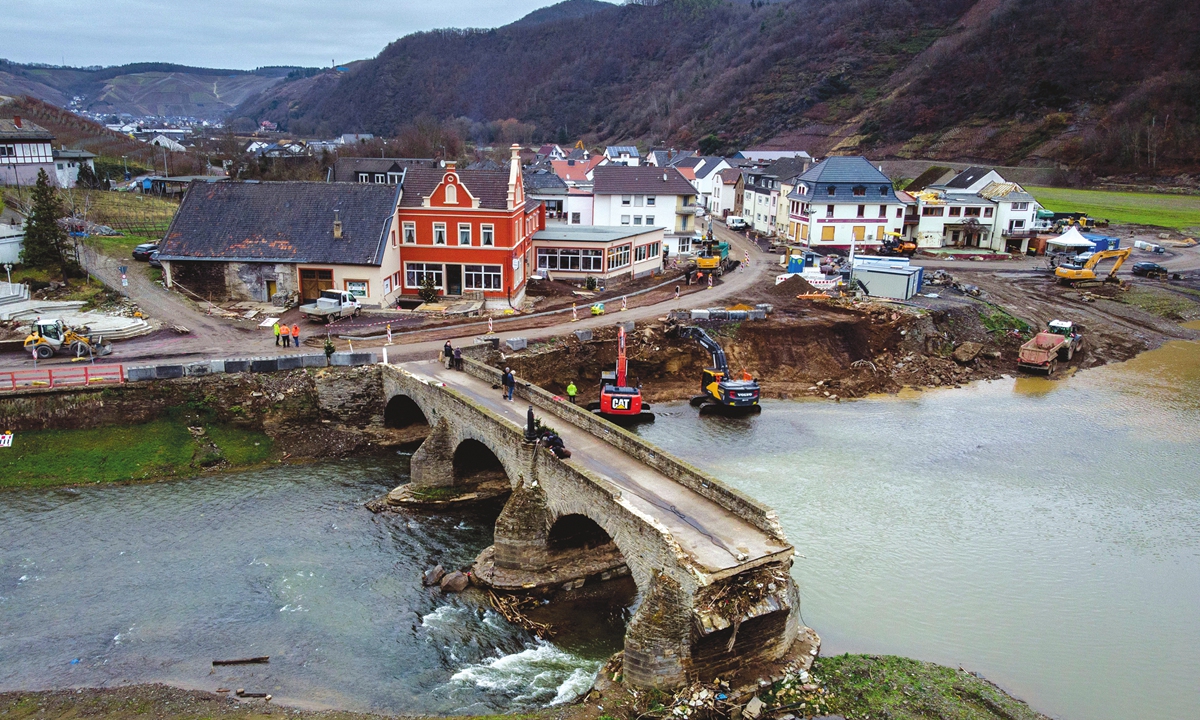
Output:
x=331 y=305
x=1059 y=341
x=48 y=338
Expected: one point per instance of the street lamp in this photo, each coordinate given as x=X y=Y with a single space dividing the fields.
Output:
x=8 y=272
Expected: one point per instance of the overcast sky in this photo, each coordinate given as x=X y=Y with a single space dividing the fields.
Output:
x=239 y=34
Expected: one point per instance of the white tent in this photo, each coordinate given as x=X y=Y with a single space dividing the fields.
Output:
x=1071 y=239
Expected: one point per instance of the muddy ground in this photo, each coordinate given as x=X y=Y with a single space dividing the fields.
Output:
x=843 y=348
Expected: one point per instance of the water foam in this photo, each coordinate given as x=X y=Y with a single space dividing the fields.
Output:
x=541 y=674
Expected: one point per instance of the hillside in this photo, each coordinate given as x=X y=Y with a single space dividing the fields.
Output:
x=565 y=10
x=143 y=89
x=1106 y=85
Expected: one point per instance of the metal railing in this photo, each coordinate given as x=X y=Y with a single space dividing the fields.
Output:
x=61 y=376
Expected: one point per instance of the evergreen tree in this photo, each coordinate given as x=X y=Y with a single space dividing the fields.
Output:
x=428 y=291
x=87 y=179
x=45 y=239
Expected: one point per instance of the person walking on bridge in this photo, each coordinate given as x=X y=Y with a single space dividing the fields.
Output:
x=571 y=391
x=458 y=359
x=510 y=383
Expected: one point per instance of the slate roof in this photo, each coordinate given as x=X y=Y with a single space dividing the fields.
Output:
x=544 y=181
x=932 y=176
x=710 y=163
x=687 y=159
x=838 y=169
x=27 y=131
x=730 y=176
x=614 y=151
x=346 y=169
x=968 y=177
x=787 y=169
x=647 y=180
x=281 y=222
x=490 y=186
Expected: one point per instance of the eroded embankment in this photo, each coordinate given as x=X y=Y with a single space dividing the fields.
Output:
x=822 y=349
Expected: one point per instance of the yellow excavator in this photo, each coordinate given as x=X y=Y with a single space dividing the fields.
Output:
x=1085 y=274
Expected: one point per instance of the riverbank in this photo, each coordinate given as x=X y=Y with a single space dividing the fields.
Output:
x=853 y=686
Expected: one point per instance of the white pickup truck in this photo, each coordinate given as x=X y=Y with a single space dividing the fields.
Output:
x=331 y=305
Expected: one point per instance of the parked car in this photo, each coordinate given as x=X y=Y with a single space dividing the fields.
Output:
x=331 y=305
x=154 y=262
x=142 y=252
x=1149 y=269
x=736 y=222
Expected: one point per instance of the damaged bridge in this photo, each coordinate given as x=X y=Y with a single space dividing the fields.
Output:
x=712 y=566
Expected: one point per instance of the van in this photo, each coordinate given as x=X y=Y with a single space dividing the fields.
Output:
x=735 y=222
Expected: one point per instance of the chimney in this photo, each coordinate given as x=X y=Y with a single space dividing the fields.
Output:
x=17 y=120
x=451 y=165
x=337 y=226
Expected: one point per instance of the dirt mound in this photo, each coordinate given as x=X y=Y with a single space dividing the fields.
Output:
x=790 y=288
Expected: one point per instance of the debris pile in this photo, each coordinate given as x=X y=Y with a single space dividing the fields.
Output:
x=512 y=608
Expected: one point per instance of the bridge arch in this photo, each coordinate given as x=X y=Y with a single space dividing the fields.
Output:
x=403 y=412
x=474 y=462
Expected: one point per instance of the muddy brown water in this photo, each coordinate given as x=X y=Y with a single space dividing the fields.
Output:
x=1043 y=533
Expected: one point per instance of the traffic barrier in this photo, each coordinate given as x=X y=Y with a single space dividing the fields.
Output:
x=314 y=361
x=237 y=366
x=291 y=362
x=264 y=365
x=516 y=343
x=168 y=372
x=139 y=374
x=583 y=335
x=62 y=376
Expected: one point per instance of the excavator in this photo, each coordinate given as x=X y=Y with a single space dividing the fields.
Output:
x=895 y=244
x=619 y=402
x=49 y=337
x=721 y=391
x=1085 y=274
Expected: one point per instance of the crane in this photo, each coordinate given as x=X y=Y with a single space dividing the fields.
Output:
x=717 y=384
x=1076 y=275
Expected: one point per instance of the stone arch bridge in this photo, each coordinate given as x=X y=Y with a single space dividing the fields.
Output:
x=711 y=565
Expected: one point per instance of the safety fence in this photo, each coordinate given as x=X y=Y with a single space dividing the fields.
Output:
x=62 y=376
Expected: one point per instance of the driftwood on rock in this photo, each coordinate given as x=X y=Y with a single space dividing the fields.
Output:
x=244 y=661
x=509 y=607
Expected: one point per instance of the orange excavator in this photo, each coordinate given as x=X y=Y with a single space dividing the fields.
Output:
x=619 y=402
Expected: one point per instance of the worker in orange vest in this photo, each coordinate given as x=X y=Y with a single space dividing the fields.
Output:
x=286 y=333
x=296 y=334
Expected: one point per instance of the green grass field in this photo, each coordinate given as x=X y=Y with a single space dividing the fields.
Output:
x=1178 y=212
x=162 y=448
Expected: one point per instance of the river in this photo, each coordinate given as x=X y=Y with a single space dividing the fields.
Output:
x=1045 y=534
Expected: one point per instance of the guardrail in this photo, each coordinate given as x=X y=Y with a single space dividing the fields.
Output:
x=62 y=376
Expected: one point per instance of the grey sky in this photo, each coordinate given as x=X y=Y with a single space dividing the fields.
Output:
x=231 y=33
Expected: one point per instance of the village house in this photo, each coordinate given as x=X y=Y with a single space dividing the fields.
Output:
x=760 y=200
x=706 y=174
x=622 y=155
x=68 y=163
x=380 y=171
x=843 y=201
x=727 y=188
x=543 y=185
x=568 y=252
x=25 y=149
x=550 y=152
x=646 y=197
x=468 y=232
x=977 y=208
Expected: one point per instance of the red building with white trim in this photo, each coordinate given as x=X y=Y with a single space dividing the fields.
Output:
x=470 y=231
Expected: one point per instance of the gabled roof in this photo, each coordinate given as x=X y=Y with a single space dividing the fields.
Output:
x=687 y=172
x=643 y=180
x=771 y=155
x=27 y=130
x=1007 y=191
x=730 y=176
x=576 y=171
x=933 y=175
x=346 y=169
x=489 y=186
x=281 y=222
x=615 y=151
x=709 y=164
x=838 y=169
x=544 y=181
x=686 y=159
x=787 y=169
x=968 y=177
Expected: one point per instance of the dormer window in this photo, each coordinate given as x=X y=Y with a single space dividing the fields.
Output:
x=832 y=191
x=860 y=191
x=451 y=195
x=883 y=190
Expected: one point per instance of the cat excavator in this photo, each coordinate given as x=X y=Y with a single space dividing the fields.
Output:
x=619 y=402
x=1085 y=274
x=722 y=391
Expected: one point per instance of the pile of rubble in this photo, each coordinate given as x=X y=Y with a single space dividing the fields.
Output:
x=941 y=277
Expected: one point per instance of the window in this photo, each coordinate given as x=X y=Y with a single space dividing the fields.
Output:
x=1021 y=206
x=932 y=211
x=626 y=200
x=639 y=200
x=464 y=234
x=415 y=274
x=685 y=244
x=60 y=166
x=393 y=178
x=569 y=259
x=832 y=190
x=650 y=199
x=357 y=288
x=393 y=238
x=828 y=211
x=862 y=211
x=899 y=212
x=883 y=211
x=486 y=235
x=451 y=194
x=987 y=212
x=6 y=151
x=860 y=191
x=827 y=233
x=379 y=178
x=1018 y=224
x=618 y=257
x=954 y=236
x=439 y=233
x=645 y=252
x=883 y=191
x=591 y=260
x=483 y=277
x=971 y=212
x=637 y=219
x=387 y=284
x=955 y=212
x=364 y=177
x=649 y=219
x=860 y=232
x=410 y=233
x=624 y=219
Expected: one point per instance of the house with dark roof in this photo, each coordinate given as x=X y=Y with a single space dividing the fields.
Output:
x=259 y=241
x=705 y=170
x=843 y=202
x=976 y=208
x=380 y=171
x=27 y=148
x=542 y=184
x=647 y=196
x=727 y=187
x=622 y=155
x=467 y=231
x=551 y=152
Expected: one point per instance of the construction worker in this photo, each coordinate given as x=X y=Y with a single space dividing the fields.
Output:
x=286 y=333
x=276 y=333
x=676 y=292
x=571 y=390
x=296 y=334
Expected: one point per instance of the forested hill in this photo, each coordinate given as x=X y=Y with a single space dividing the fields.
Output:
x=1106 y=84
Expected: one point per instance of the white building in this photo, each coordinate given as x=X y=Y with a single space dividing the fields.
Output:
x=725 y=192
x=163 y=141
x=68 y=163
x=25 y=148
x=706 y=176
x=646 y=196
x=622 y=155
x=843 y=201
x=977 y=208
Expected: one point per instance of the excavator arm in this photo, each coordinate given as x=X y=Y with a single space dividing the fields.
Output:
x=692 y=332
